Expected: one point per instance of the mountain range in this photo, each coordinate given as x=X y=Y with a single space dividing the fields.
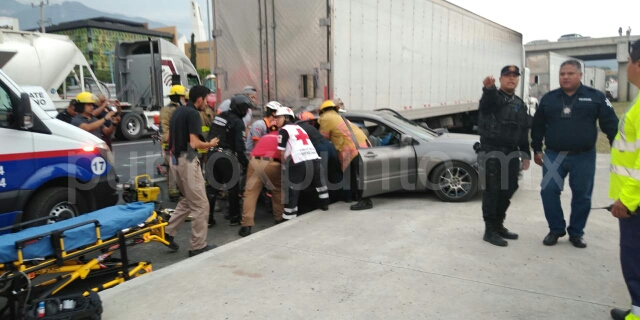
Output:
x=29 y=17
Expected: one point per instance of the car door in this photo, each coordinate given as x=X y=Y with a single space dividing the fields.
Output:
x=16 y=153
x=388 y=165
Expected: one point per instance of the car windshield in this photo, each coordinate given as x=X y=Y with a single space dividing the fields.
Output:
x=415 y=128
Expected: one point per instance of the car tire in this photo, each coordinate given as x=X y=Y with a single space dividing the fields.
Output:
x=132 y=126
x=55 y=201
x=454 y=181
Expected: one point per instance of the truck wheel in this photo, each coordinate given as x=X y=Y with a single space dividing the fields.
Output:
x=55 y=202
x=132 y=126
x=455 y=182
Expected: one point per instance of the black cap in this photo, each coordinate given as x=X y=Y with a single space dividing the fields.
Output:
x=510 y=69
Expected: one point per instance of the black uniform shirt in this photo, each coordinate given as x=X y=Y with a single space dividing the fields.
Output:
x=314 y=135
x=577 y=132
x=184 y=122
x=64 y=116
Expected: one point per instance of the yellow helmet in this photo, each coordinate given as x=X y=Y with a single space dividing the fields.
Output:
x=178 y=90
x=327 y=104
x=85 y=98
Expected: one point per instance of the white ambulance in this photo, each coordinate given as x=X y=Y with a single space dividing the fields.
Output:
x=47 y=166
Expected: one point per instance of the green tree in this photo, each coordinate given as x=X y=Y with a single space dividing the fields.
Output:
x=193 y=51
x=203 y=73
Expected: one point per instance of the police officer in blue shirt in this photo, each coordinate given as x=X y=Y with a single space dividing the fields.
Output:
x=566 y=121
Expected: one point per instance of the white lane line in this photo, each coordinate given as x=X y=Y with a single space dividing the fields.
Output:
x=148 y=156
x=131 y=143
x=152 y=180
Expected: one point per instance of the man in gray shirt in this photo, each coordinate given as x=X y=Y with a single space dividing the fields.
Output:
x=86 y=121
x=261 y=127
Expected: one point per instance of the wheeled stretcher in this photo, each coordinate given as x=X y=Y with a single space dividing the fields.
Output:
x=74 y=249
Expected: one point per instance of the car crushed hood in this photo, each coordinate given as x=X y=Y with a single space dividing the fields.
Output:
x=468 y=139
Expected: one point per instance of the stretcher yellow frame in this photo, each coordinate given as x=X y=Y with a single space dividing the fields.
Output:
x=71 y=268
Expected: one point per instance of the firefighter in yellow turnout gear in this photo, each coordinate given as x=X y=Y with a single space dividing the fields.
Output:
x=624 y=188
x=177 y=95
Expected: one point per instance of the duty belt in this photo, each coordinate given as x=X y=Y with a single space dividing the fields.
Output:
x=267 y=159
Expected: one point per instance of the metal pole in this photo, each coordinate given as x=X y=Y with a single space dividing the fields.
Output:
x=210 y=39
x=41 y=5
x=260 y=48
x=266 y=37
x=275 y=57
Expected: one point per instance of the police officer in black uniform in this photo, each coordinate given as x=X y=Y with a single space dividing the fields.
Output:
x=503 y=125
x=228 y=160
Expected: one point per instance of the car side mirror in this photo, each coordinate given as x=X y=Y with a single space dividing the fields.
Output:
x=23 y=114
x=406 y=140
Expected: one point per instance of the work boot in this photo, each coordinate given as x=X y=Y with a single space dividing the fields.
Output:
x=212 y=220
x=324 y=207
x=234 y=221
x=199 y=251
x=492 y=236
x=172 y=244
x=504 y=232
x=363 y=204
x=244 y=231
x=552 y=238
x=619 y=314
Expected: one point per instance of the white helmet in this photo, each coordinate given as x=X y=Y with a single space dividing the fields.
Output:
x=272 y=107
x=284 y=112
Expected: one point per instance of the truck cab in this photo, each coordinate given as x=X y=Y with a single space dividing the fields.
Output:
x=47 y=166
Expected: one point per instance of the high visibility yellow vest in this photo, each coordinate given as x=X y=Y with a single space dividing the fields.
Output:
x=625 y=160
x=205 y=131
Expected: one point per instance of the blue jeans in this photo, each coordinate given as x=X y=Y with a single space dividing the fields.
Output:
x=630 y=256
x=581 y=168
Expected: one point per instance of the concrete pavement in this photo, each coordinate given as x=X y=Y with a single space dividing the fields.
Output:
x=410 y=257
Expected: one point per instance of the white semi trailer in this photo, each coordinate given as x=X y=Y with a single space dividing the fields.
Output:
x=425 y=59
x=596 y=78
x=545 y=72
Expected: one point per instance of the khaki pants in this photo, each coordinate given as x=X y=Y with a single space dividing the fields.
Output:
x=259 y=174
x=191 y=183
x=171 y=178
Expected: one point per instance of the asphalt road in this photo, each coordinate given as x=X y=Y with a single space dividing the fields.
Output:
x=140 y=157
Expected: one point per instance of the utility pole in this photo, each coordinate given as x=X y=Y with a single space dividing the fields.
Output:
x=210 y=39
x=41 y=5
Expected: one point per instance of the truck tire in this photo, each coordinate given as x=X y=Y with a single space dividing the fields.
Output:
x=455 y=182
x=132 y=127
x=55 y=201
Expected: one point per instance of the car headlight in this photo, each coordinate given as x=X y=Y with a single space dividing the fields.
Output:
x=106 y=153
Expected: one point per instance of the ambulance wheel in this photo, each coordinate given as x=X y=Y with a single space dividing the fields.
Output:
x=55 y=202
x=132 y=126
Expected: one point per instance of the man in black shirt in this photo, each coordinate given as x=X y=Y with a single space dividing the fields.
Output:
x=503 y=125
x=229 y=157
x=185 y=137
x=68 y=114
x=566 y=120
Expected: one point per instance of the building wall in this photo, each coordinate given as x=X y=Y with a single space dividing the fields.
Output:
x=202 y=53
x=171 y=30
x=95 y=43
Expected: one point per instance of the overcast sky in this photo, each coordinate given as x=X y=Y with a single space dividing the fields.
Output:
x=539 y=19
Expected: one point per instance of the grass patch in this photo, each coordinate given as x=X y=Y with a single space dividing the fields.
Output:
x=602 y=144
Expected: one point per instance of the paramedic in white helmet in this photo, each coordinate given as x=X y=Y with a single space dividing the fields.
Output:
x=298 y=156
x=263 y=126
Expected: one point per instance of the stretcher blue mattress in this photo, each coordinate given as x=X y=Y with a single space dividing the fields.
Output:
x=112 y=220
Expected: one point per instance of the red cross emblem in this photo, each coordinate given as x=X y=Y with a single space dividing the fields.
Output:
x=302 y=136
